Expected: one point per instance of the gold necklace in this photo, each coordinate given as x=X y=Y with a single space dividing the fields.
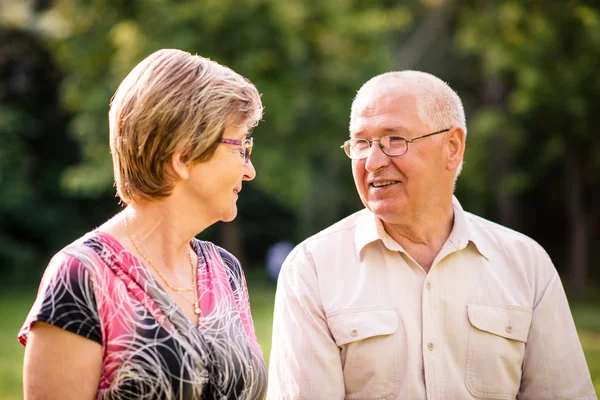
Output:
x=194 y=304
x=177 y=290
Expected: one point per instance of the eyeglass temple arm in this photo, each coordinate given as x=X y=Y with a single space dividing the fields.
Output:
x=424 y=136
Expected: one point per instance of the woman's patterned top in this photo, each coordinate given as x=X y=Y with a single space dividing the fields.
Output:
x=98 y=289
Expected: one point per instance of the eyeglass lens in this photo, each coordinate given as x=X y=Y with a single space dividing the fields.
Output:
x=248 y=144
x=390 y=145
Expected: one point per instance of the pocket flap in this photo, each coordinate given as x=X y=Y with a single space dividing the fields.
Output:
x=352 y=325
x=511 y=322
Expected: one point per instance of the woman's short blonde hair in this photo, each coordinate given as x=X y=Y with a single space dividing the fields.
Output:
x=173 y=101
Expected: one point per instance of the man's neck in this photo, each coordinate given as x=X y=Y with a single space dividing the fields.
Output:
x=424 y=235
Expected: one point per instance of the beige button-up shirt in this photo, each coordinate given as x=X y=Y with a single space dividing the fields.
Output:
x=357 y=318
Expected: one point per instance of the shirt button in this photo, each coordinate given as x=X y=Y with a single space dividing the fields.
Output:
x=509 y=328
x=428 y=285
x=354 y=332
x=430 y=346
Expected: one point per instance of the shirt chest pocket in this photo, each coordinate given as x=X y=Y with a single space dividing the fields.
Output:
x=497 y=339
x=370 y=351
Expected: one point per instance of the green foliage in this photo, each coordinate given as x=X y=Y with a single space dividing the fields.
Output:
x=35 y=219
x=306 y=57
x=547 y=56
x=526 y=71
x=551 y=54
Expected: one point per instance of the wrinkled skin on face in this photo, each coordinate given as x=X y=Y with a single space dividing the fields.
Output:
x=215 y=184
x=405 y=188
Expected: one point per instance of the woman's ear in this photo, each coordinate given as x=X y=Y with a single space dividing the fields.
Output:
x=180 y=167
x=456 y=147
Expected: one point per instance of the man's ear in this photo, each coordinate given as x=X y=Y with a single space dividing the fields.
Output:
x=456 y=141
x=179 y=167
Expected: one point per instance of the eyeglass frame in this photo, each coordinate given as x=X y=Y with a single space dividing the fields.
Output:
x=407 y=141
x=247 y=144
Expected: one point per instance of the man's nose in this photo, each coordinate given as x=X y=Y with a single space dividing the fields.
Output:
x=376 y=158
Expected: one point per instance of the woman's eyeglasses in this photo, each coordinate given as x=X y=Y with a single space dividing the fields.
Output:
x=246 y=144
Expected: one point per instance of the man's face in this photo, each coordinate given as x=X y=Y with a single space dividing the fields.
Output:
x=398 y=188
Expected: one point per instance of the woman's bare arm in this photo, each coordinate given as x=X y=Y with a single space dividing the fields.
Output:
x=60 y=365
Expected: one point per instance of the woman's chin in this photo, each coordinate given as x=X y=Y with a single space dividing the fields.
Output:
x=229 y=215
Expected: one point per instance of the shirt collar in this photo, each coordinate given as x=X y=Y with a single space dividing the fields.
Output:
x=370 y=229
x=464 y=231
x=366 y=230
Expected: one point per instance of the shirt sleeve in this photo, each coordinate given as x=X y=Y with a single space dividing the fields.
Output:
x=305 y=361
x=554 y=366
x=65 y=299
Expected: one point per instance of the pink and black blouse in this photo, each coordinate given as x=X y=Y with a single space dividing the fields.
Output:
x=99 y=290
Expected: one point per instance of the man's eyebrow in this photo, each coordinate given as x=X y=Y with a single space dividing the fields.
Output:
x=393 y=129
x=387 y=129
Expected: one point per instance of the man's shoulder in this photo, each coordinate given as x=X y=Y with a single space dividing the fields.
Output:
x=341 y=227
x=499 y=235
x=339 y=232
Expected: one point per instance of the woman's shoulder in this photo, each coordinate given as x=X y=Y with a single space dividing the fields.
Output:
x=75 y=265
x=82 y=257
x=232 y=264
x=81 y=250
x=210 y=248
x=67 y=296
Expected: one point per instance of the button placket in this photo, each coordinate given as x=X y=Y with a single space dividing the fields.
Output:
x=431 y=342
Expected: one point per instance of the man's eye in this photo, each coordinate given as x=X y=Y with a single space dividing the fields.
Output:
x=360 y=145
x=395 y=141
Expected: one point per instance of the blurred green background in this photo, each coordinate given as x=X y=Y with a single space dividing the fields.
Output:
x=528 y=72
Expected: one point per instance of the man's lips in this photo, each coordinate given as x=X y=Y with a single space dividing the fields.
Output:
x=382 y=183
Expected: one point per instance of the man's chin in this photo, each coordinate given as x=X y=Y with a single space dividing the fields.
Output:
x=385 y=213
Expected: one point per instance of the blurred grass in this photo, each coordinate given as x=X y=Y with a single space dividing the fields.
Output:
x=13 y=310
x=15 y=305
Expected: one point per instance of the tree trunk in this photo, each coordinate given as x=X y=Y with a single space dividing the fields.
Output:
x=431 y=28
x=231 y=239
x=578 y=230
x=502 y=159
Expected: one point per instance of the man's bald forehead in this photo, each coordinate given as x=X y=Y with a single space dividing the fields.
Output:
x=365 y=100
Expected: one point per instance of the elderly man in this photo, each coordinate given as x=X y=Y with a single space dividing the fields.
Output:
x=412 y=297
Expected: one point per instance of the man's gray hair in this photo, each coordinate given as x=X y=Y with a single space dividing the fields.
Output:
x=438 y=106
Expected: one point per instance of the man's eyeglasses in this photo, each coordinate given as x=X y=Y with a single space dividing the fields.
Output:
x=246 y=145
x=392 y=145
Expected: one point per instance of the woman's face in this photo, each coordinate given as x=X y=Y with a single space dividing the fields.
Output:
x=215 y=183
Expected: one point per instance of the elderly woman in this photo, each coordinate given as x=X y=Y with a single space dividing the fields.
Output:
x=139 y=308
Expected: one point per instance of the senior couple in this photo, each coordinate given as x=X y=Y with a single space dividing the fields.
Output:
x=410 y=298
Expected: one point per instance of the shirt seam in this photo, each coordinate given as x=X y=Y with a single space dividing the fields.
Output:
x=299 y=272
x=545 y=290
